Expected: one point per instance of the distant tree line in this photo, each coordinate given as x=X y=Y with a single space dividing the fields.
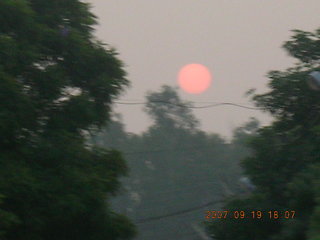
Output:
x=174 y=165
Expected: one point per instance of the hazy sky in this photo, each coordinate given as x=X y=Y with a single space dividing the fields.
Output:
x=238 y=40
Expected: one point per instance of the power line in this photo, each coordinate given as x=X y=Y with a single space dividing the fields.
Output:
x=168 y=101
x=149 y=219
x=214 y=104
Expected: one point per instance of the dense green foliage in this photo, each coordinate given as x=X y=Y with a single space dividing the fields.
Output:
x=56 y=83
x=174 y=166
x=286 y=157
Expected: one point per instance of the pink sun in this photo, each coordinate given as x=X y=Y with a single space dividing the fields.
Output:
x=194 y=78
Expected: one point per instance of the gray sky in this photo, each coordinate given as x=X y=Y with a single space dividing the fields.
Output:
x=238 y=40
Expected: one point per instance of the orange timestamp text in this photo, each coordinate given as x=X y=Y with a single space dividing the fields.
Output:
x=257 y=214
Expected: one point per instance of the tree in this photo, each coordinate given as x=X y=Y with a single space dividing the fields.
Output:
x=285 y=162
x=167 y=110
x=174 y=166
x=56 y=83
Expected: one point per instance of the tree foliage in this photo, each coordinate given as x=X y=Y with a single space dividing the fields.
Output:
x=167 y=110
x=285 y=163
x=56 y=83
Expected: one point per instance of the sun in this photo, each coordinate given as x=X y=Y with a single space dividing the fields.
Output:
x=194 y=78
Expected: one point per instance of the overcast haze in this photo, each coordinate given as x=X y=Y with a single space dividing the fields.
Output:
x=238 y=40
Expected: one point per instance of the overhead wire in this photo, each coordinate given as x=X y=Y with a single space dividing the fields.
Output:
x=213 y=104
x=177 y=213
x=180 y=212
